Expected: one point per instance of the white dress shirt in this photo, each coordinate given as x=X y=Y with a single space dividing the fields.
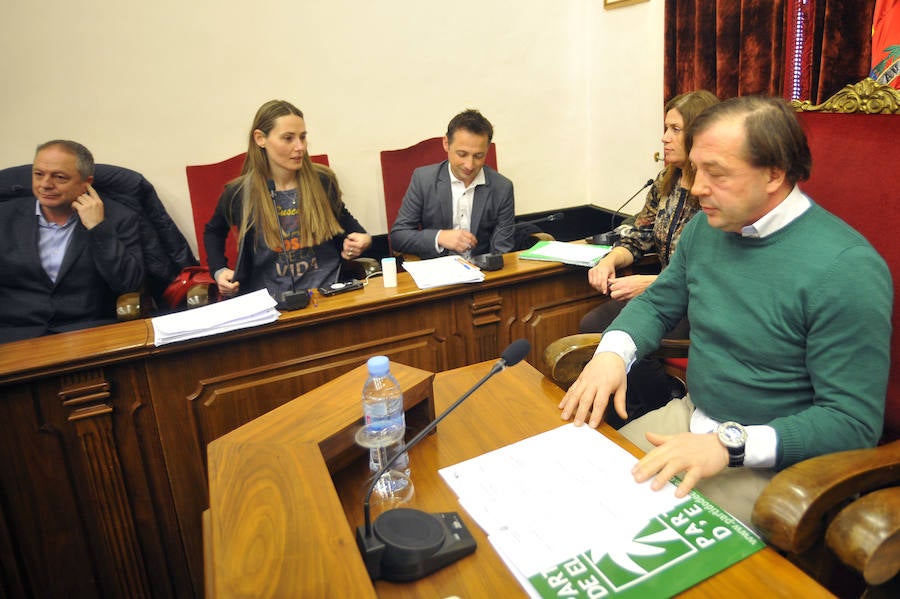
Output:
x=463 y=198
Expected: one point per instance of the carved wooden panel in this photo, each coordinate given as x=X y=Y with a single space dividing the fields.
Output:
x=82 y=504
x=546 y=312
x=204 y=393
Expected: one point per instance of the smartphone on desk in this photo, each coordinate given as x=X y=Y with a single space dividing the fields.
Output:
x=341 y=287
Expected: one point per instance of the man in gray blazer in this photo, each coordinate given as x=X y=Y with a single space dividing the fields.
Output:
x=460 y=205
x=65 y=255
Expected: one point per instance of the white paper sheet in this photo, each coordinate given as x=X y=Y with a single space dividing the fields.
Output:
x=243 y=311
x=446 y=270
x=556 y=494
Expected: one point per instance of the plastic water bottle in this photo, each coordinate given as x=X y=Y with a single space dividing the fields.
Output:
x=382 y=401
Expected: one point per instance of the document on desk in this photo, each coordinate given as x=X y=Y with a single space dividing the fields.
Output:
x=446 y=270
x=577 y=254
x=241 y=312
x=566 y=516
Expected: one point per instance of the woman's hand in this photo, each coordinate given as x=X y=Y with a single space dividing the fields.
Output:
x=602 y=273
x=626 y=288
x=228 y=287
x=355 y=244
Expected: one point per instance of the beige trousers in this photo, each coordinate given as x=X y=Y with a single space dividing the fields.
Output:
x=734 y=489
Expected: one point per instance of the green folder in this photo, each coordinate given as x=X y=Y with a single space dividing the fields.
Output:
x=578 y=254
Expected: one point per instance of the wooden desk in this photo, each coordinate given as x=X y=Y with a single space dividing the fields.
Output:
x=103 y=436
x=515 y=404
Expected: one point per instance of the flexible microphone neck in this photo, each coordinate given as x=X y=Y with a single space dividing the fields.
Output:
x=512 y=355
x=612 y=219
x=544 y=219
x=611 y=237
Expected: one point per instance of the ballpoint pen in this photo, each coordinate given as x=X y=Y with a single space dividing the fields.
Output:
x=465 y=263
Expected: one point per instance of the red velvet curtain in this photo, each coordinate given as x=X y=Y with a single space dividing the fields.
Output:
x=737 y=47
x=841 y=45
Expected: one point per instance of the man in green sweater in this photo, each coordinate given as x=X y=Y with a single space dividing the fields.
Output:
x=790 y=313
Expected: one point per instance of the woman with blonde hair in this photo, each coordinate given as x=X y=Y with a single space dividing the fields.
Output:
x=293 y=227
x=656 y=229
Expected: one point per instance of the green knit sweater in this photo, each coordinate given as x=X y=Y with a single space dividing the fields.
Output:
x=791 y=330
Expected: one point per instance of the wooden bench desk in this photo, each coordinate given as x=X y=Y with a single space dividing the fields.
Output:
x=300 y=541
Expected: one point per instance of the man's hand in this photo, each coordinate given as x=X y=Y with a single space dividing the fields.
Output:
x=626 y=288
x=698 y=456
x=456 y=240
x=228 y=287
x=89 y=207
x=603 y=376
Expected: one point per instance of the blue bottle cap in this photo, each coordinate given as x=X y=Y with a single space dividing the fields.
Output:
x=379 y=366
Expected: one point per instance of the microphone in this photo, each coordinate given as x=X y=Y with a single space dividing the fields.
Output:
x=495 y=261
x=287 y=300
x=545 y=219
x=610 y=237
x=406 y=544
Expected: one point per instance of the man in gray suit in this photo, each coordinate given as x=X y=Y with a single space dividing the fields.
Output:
x=460 y=205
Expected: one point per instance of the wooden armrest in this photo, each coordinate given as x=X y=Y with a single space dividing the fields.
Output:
x=673 y=348
x=128 y=306
x=566 y=357
x=865 y=535
x=791 y=511
x=198 y=295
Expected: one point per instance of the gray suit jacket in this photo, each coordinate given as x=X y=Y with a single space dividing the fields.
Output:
x=428 y=207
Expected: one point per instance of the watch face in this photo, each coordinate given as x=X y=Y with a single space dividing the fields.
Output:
x=732 y=434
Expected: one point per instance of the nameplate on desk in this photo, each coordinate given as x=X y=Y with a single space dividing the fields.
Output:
x=564 y=513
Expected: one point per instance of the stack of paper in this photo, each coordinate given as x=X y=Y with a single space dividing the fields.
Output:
x=237 y=313
x=446 y=270
x=582 y=527
x=578 y=254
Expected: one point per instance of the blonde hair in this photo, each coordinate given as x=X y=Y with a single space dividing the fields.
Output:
x=317 y=218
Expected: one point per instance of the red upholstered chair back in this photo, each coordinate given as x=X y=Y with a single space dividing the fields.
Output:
x=854 y=176
x=205 y=184
x=397 y=167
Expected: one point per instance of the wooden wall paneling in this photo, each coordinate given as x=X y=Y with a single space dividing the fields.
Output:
x=486 y=319
x=11 y=583
x=103 y=436
x=40 y=504
x=86 y=395
x=545 y=311
x=204 y=393
x=76 y=499
x=147 y=481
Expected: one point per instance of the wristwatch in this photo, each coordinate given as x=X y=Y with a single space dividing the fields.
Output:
x=733 y=436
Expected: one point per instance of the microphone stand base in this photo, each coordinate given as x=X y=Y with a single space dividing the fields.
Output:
x=608 y=238
x=488 y=261
x=409 y=544
x=293 y=300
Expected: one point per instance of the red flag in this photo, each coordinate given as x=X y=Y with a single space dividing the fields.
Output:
x=886 y=43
